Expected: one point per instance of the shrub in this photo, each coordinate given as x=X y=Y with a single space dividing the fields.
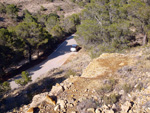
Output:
x=12 y=11
x=2 y=8
x=28 y=17
x=139 y=86
x=70 y=23
x=5 y=86
x=127 y=88
x=57 y=31
x=108 y=86
x=111 y=99
x=112 y=81
x=106 y=89
x=51 y=21
x=42 y=8
x=59 y=8
x=24 y=80
x=81 y=4
x=70 y=72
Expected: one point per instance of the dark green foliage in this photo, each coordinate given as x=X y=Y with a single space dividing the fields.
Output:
x=33 y=36
x=2 y=8
x=12 y=11
x=8 y=55
x=48 y=21
x=4 y=36
x=57 y=31
x=51 y=21
x=105 y=25
x=24 y=80
x=70 y=23
x=28 y=17
x=5 y=86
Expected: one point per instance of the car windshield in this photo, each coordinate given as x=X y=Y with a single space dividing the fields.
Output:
x=74 y=45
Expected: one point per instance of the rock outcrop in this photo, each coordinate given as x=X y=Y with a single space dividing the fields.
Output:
x=111 y=83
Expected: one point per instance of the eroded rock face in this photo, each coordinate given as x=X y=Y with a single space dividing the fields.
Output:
x=37 y=99
x=80 y=94
x=125 y=107
x=57 y=89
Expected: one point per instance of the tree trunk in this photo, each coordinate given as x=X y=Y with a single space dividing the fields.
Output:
x=38 y=53
x=29 y=55
x=145 y=40
x=2 y=72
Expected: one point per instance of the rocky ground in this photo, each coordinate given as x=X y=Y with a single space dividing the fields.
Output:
x=111 y=83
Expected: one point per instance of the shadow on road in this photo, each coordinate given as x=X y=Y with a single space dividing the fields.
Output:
x=25 y=96
x=61 y=50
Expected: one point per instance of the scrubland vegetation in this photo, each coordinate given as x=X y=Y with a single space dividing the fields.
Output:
x=102 y=26
x=111 y=26
x=33 y=33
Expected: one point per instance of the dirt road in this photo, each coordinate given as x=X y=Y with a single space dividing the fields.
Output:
x=55 y=60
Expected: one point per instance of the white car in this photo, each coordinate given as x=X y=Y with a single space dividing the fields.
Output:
x=74 y=48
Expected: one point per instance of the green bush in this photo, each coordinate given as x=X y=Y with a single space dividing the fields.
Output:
x=51 y=21
x=81 y=4
x=5 y=86
x=70 y=23
x=24 y=80
x=2 y=8
x=111 y=99
x=12 y=11
x=57 y=31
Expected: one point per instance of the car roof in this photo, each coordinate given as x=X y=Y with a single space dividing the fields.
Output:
x=74 y=45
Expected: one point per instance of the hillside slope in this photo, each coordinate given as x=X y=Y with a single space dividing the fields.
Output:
x=111 y=83
x=33 y=6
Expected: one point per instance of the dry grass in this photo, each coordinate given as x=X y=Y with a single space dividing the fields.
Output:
x=69 y=59
x=106 y=64
x=68 y=8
